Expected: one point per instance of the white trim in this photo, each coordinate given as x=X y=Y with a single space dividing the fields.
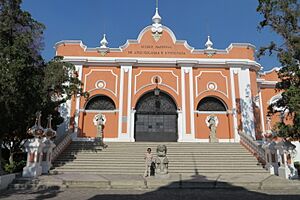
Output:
x=262 y=112
x=192 y=102
x=211 y=112
x=121 y=102
x=270 y=71
x=77 y=106
x=161 y=71
x=162 y=62
x=216 y=90
x=98 y=111
x=179 y=125
x=227 y=140
x=80 y=139
x=246 y=97
x=234 y=111
x=129 y=68
x=141 y=34
x=183 y=132
x=266 y=84
x=102 y=70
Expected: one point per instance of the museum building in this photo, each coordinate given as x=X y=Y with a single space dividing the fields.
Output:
x=157 y=88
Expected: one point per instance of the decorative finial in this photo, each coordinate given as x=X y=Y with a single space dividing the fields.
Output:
x=104 y=42
x=156 y=26
x=104 y=49
x=209 y=43
x=49 y=132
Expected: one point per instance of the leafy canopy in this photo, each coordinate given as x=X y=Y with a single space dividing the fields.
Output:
x=282 y=16
x=27 y=82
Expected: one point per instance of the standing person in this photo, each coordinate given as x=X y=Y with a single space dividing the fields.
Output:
x=148 y=160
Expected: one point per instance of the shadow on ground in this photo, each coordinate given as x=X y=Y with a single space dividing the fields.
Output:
x=220 y=190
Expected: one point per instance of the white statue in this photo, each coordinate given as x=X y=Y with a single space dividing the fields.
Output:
x=99 y=121
x=212 y=122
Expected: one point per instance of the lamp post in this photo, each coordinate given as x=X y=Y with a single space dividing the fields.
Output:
x=156 y=90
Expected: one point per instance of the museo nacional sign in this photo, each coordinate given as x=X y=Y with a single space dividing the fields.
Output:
x=156 y=50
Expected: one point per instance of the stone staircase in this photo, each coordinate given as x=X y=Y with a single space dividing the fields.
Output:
x=184 y=158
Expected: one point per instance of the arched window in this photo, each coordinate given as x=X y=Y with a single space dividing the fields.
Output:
x=211 y=104
x=100 y=102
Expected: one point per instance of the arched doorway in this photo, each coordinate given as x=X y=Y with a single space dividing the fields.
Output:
x=156 y=118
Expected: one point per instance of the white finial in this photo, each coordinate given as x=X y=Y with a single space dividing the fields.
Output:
x=104 y=42
x=209 y=43
x=156 y=18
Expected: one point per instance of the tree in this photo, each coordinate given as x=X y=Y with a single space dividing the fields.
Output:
x=27 y=83
x=282 y=16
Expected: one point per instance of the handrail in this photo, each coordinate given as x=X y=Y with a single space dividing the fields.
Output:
x=253 y=146
x=61 y=144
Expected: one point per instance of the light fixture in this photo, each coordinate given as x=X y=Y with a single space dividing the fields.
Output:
x=156 y=90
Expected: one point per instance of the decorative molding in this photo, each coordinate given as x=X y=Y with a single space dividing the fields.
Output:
x=211 y=86
x=211 y=112
x=163 y=62
x=270 y=71
x=104 y=88
x=233 y=72
x=149 y=28
x=152 y=81
x=207 y=90
x=98 y=111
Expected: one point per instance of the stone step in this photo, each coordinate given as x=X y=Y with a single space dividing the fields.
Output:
x=134 y=171
x=128 y=158
x=233 y=162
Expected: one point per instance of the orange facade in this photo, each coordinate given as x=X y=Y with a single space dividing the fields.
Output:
x=192 y=84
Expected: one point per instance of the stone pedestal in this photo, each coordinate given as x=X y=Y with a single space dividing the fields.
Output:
x=286 y=169
x=33 y=167
x=47 y=155
x=271 y=157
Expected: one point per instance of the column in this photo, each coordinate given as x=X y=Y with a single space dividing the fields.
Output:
x=77 y=107
x=246 y=102
x=188 y=122
x=233 y=97
x=124 y=129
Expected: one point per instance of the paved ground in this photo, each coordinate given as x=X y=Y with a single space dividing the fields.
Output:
x=158 y=194
x=175 y=187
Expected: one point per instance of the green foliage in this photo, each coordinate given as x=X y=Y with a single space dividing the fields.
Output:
x=282 y=16
x=15 y=166
x=27 y=83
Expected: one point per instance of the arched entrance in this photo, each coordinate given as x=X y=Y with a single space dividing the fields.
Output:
x=156 y=118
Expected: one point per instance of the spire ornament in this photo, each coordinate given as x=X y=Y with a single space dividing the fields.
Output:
x=210 y=51
x=156 y=26
x=103 y=49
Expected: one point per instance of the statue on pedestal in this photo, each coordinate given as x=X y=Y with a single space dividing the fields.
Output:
x=161 y=161
x=212 y=121
x=99 y=121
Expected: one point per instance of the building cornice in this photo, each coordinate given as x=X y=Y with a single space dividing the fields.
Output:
x=266 y=84
x=141 y=34
x=163 y=62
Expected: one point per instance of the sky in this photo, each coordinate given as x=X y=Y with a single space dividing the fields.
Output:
x=226 y=21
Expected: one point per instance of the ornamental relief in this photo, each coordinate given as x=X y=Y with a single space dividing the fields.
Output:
x=211 y=81
x=165 y=78
x=101 y=79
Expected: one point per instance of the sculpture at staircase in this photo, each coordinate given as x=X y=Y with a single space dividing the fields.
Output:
x=161 y=161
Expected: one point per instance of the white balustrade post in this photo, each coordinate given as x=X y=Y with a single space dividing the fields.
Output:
x=47 y=155
x=33 y=166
